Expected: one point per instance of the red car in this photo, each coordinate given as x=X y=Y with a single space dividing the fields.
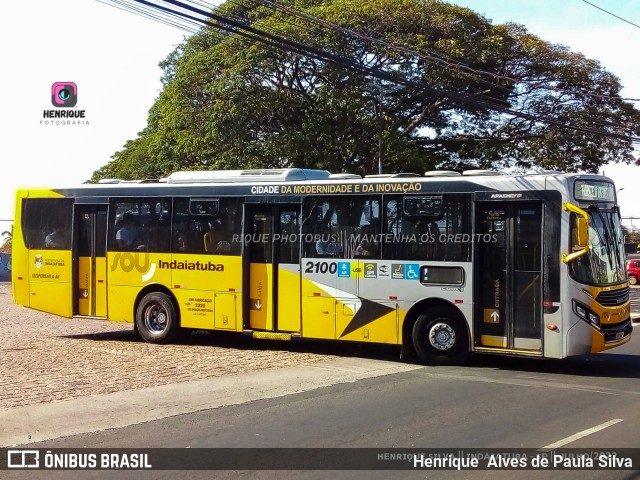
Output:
x=633 y=271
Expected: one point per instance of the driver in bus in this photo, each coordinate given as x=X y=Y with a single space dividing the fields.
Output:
x=55 y=239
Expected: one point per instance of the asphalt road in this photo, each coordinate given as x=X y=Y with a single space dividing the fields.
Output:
x=491 y=402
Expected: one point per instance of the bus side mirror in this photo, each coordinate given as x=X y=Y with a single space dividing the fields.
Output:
x=583 y=232
x=582 y=227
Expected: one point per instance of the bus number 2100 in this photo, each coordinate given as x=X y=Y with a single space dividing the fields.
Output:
x=321 y=267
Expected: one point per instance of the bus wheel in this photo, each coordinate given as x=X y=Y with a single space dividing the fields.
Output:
x=156 y=318
x=440 y=337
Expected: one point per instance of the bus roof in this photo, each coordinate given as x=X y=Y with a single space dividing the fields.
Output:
x=293 y=182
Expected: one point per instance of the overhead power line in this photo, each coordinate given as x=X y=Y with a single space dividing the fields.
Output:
x=612 y=14
x=476 y=74
x=151 y=13
x=431 y=58
x=189 y=13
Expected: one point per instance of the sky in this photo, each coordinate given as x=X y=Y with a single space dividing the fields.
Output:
x=112 y=56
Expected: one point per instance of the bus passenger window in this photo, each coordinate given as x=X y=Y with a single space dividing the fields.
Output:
x=41 y=216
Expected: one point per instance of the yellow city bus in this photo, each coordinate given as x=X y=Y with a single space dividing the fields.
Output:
x=442 y=265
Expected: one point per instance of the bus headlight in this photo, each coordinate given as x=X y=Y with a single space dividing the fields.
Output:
x=586 y=314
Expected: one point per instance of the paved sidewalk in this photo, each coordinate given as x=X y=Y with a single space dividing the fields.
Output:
x=89 y=414
x=45 y=358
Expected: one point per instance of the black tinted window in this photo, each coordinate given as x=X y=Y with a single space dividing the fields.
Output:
x=141 y=224
x=46 y=223
x=342 y=227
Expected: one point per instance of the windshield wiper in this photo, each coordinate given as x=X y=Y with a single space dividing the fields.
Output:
x=607 y=234
x=616 y=239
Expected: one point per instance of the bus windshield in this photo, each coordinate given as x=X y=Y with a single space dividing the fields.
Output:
x=604 y=262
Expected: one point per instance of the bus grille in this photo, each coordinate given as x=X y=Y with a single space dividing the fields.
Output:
x=617 y=332
x=613 y=298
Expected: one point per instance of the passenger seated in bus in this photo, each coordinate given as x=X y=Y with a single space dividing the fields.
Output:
x=326 y=244
x=367 y=246
x=211 y=240
x=322 y=243
x=366 y=249
x=182 y=242
x=156 y=238
x=55 y=239
x=127 y=234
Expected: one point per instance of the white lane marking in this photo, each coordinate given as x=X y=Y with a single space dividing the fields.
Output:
x=581 y=434
x=522 y=382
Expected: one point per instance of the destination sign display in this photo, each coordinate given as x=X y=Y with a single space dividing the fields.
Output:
x=594 y=191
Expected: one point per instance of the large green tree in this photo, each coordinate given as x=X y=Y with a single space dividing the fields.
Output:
x=470 y=94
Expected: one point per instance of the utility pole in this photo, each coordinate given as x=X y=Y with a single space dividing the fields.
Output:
x=378 y=105
x=379 y=134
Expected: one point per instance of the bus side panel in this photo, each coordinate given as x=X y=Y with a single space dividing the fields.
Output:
x=553 y=339
x=368 y=322
x=318 y=307
x=101 y=286
x=196 y=308
x=128 y=273
x=289 y=312
x=85 y=288
x=50 y=286
x=196 y=281
x=87 y=291
x=19 y=258
x=20 y=275
x=121 y=301
x=555 y=274
x=260 y=294
x=225 y=307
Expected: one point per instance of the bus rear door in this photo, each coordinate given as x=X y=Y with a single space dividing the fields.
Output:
x=90 y=261
x=271 y=263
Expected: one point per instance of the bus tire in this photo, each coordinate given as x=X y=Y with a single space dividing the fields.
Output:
x=136 y=332
x=440 y=337
x=156 y=318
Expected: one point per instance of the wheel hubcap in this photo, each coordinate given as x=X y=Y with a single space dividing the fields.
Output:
x=442 y=336
x=156 y=319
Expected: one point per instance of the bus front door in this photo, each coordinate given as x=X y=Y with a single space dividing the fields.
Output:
x=271 y=262
x=90 y=261
x=508 y=291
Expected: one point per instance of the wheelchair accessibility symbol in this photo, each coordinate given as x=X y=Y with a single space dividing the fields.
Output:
x=412 y=271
